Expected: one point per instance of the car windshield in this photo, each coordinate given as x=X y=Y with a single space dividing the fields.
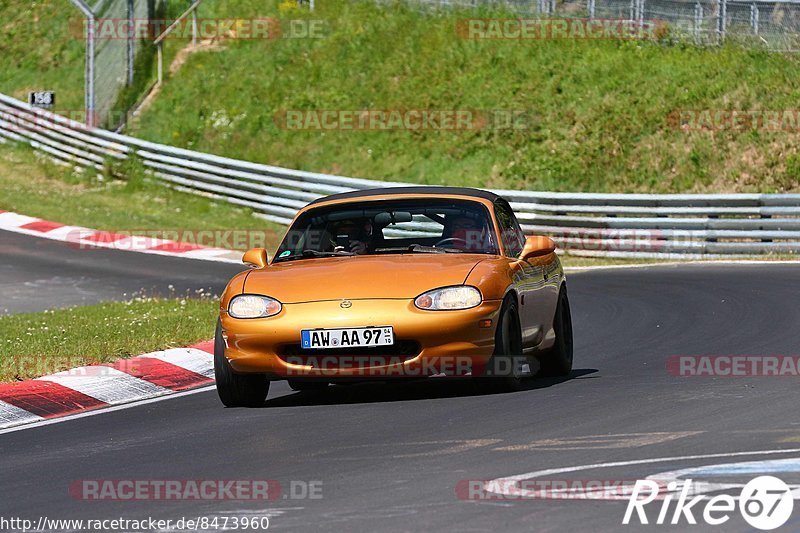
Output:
x=398 y=226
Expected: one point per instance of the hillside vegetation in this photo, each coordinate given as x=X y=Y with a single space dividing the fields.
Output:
x=38 y=52
x=597 y=112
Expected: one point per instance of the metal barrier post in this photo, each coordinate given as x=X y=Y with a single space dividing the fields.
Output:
x=159 y=41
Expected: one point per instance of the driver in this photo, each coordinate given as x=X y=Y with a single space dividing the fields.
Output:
x=351 y=236
x=466 y=233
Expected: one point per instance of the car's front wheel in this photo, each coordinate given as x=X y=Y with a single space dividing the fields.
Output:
x=236 y=390
x=507 y=367
x=558 y=361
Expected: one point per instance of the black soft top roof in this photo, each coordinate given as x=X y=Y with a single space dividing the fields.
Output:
x=453 y=191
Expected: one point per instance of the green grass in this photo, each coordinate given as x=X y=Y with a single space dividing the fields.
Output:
x=598 y=109
x=37 y=187
x=38 y=52
x=36 y=344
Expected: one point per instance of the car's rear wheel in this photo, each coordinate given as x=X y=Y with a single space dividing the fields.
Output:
x=236 y=390
x=558 y=361
x=302 y=385
x=506 y=367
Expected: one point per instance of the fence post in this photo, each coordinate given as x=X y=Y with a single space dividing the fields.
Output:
x=698 y=20
x=721 y=18
x=194 y=26
x=591 y=9
x=90 y=35
x=131 y=42
x=160 y=49
x=641 y=14
x=754 y=17
x=88 y=90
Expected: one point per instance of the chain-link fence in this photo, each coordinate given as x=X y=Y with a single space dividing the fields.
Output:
x=774 y=24
x=113 y=68
x=119 y=50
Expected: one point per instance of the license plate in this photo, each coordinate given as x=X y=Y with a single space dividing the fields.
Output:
x=314 y=339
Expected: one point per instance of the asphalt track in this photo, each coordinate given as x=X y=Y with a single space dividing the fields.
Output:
x=391 y=456
x=38 y=274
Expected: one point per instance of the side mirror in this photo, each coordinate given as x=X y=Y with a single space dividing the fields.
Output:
x=537 y=246
x=256 y=257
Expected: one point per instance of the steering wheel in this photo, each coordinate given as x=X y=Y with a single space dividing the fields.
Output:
x=450 y=239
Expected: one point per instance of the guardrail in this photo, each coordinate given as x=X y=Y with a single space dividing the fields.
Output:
x=630 y=225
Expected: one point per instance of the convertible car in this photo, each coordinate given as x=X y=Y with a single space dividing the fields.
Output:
x=406 y=282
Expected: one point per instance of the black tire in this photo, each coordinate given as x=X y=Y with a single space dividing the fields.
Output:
x=504 y=366
x=302 y=385
x=236 y=390
x=558 y=360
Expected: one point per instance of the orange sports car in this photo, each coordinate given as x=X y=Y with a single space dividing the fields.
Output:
x=404 y=282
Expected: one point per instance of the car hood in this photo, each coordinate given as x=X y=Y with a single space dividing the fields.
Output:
x=360 y=277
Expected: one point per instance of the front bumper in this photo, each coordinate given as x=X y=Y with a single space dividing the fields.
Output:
x=426 y=342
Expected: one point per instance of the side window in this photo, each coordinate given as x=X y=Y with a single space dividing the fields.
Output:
x=510 y=232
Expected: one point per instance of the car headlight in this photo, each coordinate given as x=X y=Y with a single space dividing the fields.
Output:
x=449 y=298
x=253 y=306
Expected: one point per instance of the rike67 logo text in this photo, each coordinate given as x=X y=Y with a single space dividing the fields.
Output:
x=765 y=503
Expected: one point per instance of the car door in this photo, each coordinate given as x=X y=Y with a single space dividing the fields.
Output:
x=528 y=279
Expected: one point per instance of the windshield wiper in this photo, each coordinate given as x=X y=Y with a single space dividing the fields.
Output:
x=419 y=249
x=315 y=253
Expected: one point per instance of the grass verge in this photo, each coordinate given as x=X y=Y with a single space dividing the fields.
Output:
x=576 y=261
x=36 y=344
x=37 y=187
